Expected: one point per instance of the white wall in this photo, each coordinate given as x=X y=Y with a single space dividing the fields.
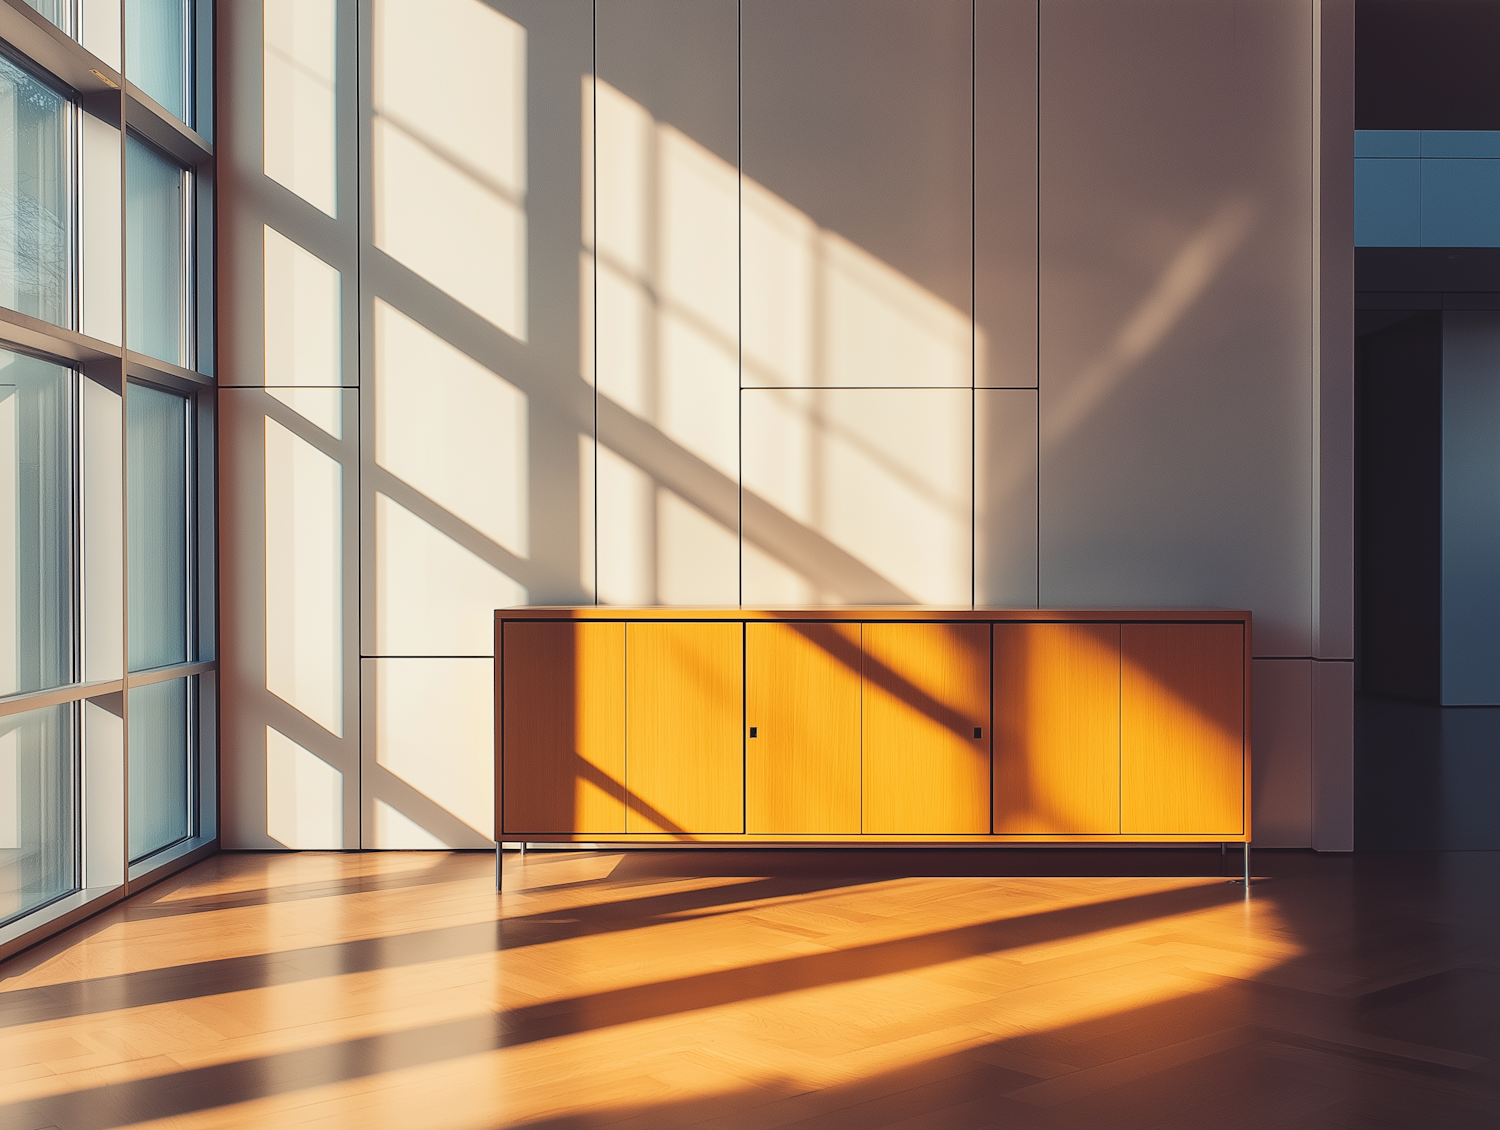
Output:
x=777 y=302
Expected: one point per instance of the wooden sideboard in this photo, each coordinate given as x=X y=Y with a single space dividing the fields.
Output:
x=871 y=725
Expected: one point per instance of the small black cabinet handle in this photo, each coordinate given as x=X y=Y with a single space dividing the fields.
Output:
x=753 y=730
x=979 y=731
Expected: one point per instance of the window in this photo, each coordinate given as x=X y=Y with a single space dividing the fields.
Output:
x=157 y=526
x=60 y=12
x=37 y=524
x=161 y=808
x=157 y=34
x=36 y=245
x=104 y=760
x=38 y=808
x=156 y=241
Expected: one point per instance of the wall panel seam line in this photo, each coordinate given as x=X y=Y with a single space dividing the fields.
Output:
x=359 y=368
x=594 y=273
x=1314 y=367
x=1036 y=165
x=739 y=290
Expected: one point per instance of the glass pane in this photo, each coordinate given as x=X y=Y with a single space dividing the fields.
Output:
x=36 y=509
x=158 y=754
x=35 y=244
x=156 y=58
x=156 y=263
x=157 y=525
x=38 y=809
x=60 y=12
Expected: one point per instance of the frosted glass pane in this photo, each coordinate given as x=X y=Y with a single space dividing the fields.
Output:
x=60 y=12
x=38 y=809
x=35 y=235
x=157 y=526
x=155 y=258
x=158 y=753
x=36 y=490
x=156 y=52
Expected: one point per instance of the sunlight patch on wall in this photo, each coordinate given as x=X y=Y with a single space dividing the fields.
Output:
x=304 y=584
x=820 y=311
x=695 y=552
x=451 y=428
x=627 y=531
x=668 y=286
x=298 y=62
x=434 y=733
x=304 y=796
x=450 y=151
x=883 y=474
x=663 y=246
x=771 y=582
x=302 y=312
x=433 y=596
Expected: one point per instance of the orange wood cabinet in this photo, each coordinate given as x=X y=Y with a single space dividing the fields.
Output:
x=802 y=696
x=869 y=725
x=925 y=727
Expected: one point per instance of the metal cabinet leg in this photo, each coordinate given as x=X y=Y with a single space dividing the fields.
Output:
x=499 y=869
x=1246 y=877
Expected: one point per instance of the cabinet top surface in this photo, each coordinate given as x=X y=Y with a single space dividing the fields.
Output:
x=868 y=612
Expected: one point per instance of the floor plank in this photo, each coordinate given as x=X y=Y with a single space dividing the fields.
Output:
x=941 y=990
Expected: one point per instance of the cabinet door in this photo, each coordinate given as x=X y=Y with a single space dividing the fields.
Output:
x=926 y=713
x=562 y=725
x=1182 y=748
x=802 y=729
x=1057 y=729
x=684 y=701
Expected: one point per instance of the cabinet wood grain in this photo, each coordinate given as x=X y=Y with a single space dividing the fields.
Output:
x=684 y=699
x=802 y=703
x=1182 y=749
x=562 y=722
x=926 y=692
x=1057 y=729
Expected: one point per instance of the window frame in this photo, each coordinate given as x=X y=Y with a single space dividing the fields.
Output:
x=96 y=85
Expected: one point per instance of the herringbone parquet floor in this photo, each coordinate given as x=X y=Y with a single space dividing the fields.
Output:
x=925 y=990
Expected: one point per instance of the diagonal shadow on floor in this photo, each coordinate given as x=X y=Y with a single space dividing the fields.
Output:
x=201 y=1088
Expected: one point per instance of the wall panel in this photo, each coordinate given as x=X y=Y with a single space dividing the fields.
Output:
x=1176 y=432
x=1282 y=737
x=859 y=495
x=666 y=253
x=857 y=158
x=426 y=781
x=1005 y=193
x=289 y=689
x=1005 y=507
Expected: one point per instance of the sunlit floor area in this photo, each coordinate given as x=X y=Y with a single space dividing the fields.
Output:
x=744 y=990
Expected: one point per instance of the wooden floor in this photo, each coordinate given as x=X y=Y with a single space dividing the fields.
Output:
x=750 y=990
